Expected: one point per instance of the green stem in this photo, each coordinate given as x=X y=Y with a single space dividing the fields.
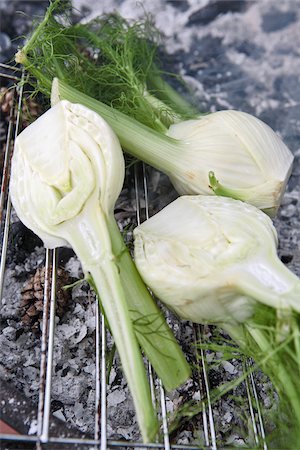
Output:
x=151 y=329
x=43 y=82
x=143 y=97
x=58 y=68
x=146 y=101
x=220 y=189
x=163 y=110
x=98 y=260
x=279 y=362
x=36 y=34
x=280 y=375
x=167 y=94
x=285 y=375
x=142 y=142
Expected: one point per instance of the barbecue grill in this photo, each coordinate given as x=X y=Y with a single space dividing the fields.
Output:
x=59 y=388
x=50 y=432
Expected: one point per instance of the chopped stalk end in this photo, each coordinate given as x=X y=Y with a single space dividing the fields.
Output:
x=20 y=57
x=213 y=182
x=218 y=188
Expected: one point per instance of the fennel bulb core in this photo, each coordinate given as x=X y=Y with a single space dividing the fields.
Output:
x=247 y=157
x=212 y=258
x=67 y=159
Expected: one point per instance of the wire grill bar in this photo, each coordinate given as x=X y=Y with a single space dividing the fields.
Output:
x=5 y=181
x=252 y=415
x=207 y=414
x=103 y=439
x=4 y=245
x=10 y=68
x=45 y=323
x=43 y=435
x=110 y=443
x=259 y=414
x=101 y=384
x=5 y=175
x=138 y=216
x=47 y=394
x=97 y=432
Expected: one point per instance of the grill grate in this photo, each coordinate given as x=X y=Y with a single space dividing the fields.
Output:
x=43 y=438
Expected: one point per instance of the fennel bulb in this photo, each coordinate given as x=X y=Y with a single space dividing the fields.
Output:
x=249 y=159
x=213 y=260
x=67 y=172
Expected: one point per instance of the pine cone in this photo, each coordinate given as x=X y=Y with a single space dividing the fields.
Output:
x=30 y=108
x=32 y=301
x=6 y=100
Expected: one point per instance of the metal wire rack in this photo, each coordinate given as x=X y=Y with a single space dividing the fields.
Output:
x=43 y=437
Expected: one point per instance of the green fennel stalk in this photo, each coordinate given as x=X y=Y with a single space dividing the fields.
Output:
x=109 y=287
x=151 y=329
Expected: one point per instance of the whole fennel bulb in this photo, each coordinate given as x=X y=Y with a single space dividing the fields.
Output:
x=213 y=260
x=250 y=161
x=67 y=172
